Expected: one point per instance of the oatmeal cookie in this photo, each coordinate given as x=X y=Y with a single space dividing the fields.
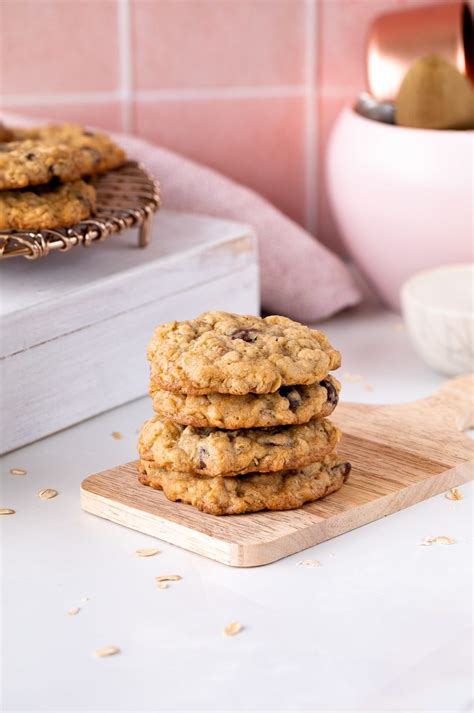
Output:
x=97 y=150
x=235 y=354
x=288 y=405
x=46 y=206
x=5 y=133
x=33 y=162
x=285 y=490
x=211 y=451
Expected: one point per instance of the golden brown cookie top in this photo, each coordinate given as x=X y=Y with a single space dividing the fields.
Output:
x=32 y=162
x=98 y=151
x=236 y=354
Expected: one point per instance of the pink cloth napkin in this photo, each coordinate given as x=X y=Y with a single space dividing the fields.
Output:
x=299 y=277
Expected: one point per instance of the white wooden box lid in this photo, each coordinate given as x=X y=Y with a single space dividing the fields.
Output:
x=60 y=294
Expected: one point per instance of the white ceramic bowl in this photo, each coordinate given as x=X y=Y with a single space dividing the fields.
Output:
x=438 y=307
x=402 y=198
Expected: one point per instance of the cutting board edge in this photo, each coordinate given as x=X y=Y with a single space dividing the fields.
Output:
x=150 y=524
x=261 y=553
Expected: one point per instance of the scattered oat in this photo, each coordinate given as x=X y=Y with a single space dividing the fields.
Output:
x=368 y=387
x=17 y=471
x=117 y=435
x=7 y=511
x=454 y=494
x=162 y=581
x=438 y=540
x=107 y=651
x=73 y=611
x=85 y=599
x=233 y=628
x=47 y=494
x=309 y=563
x=352 y=377
x=147 y=552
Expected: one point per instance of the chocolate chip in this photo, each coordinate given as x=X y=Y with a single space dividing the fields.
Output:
x=30 y=156
x=271 y=429
x=202 y=453
x=343 y=469
x=247 y=335
x=205 y=430
x=332 y=396
x=293 y=396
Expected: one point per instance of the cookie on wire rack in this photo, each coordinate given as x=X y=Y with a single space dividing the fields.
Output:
x=46 y=207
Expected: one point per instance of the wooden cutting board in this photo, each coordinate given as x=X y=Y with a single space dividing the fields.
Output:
x=400 y=455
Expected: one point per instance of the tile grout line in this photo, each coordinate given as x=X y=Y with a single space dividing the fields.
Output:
x=125 y=63
x=237 y=92
x=60 y=98
x=257 y=92
x=311 y=118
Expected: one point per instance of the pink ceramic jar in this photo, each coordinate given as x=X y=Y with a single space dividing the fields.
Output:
x=403 y=198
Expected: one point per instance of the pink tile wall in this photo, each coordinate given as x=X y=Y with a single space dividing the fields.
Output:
x=249 y=87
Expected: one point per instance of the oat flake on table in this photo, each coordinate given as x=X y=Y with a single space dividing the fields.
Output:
x=117 y=435
x=107 y=651
x=309 y=563
x=233 y=628
x=454 y=494
x=47 y=494
x=147 y=552
x=439 y=540
x=73 y=611
x=17 y=471
x=162 y=581
x=7 y=511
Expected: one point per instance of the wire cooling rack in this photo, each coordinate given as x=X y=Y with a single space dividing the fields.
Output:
x=126 y=198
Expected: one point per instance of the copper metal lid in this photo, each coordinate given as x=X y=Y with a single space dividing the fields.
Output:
x=396 y=39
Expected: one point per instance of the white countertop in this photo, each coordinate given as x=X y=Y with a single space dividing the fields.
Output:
x=382 y=624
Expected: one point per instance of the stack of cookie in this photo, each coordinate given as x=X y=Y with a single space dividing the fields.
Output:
x=43 y=171
x=241 y=406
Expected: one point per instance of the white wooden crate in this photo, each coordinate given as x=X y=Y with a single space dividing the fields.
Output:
x=74 y=327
